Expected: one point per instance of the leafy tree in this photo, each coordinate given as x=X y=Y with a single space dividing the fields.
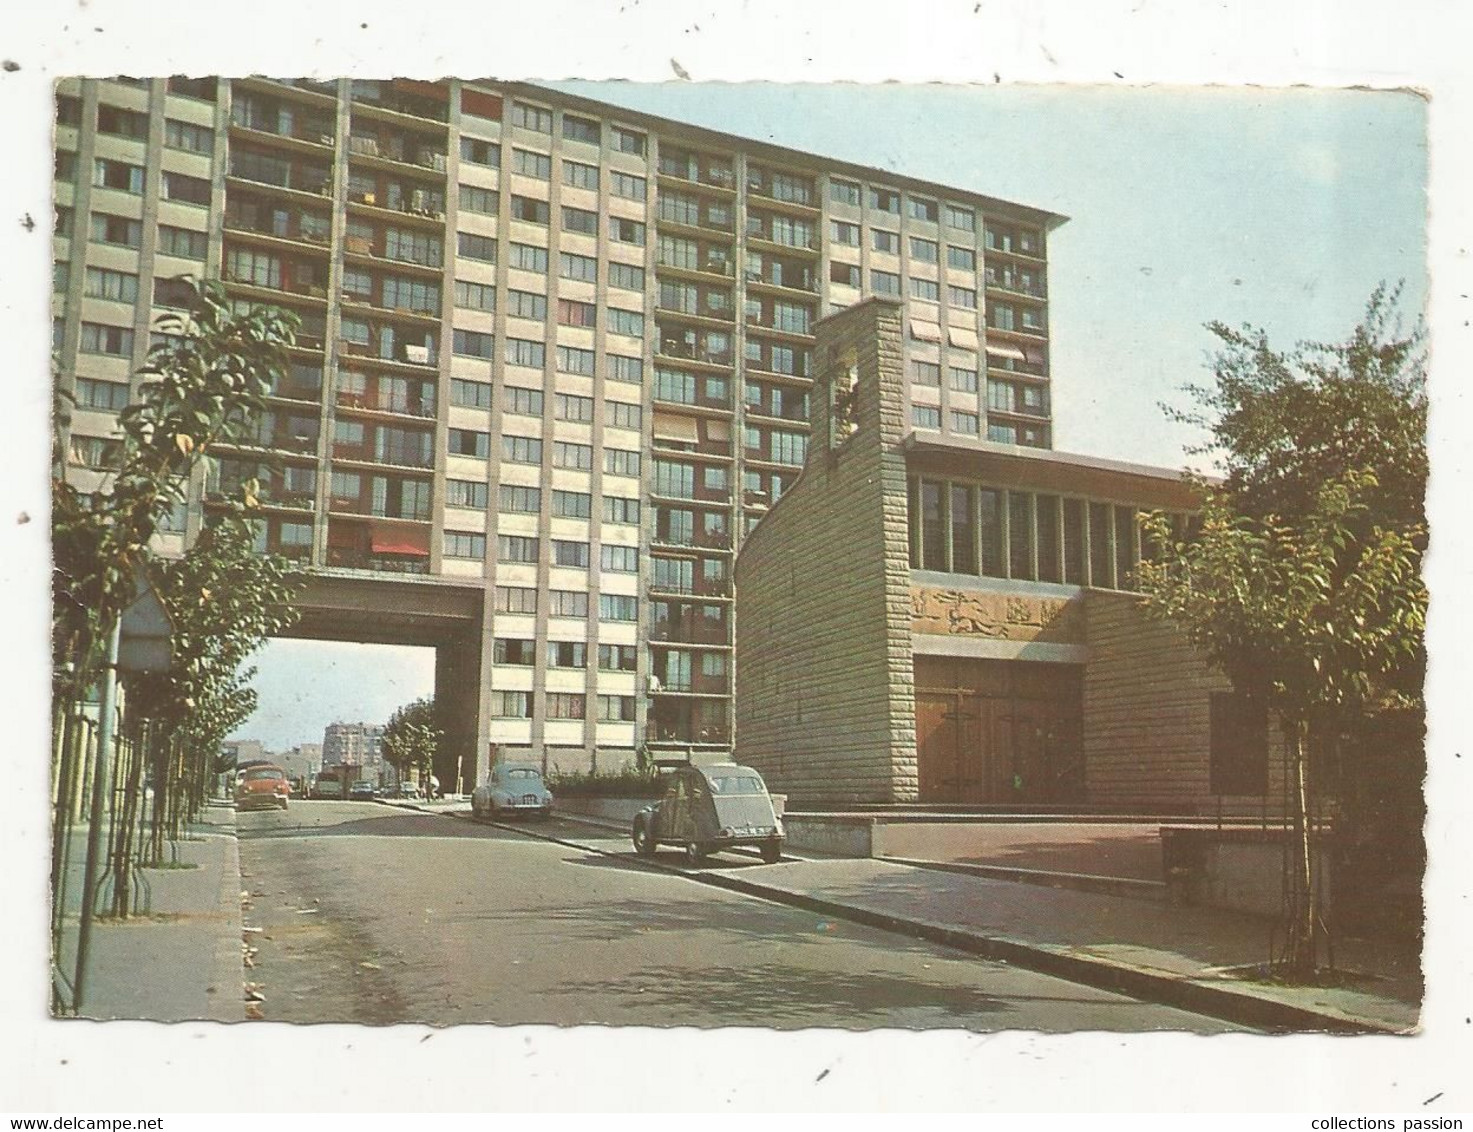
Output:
x=411 y=738
x=1303 y=585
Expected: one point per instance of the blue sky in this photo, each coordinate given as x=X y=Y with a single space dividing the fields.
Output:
x=1280 y=208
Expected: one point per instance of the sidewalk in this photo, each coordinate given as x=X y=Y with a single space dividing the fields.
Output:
x=181 y=961
x=1197 y=958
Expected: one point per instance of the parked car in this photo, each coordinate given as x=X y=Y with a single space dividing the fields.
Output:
x=408 y=790
x=709 y=808
x=362 y=792
x=513 y=788
x=262 y=787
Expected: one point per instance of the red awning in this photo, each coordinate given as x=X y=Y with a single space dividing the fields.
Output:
x=388 y=544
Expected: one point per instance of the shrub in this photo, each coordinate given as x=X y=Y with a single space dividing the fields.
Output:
x=626 y=783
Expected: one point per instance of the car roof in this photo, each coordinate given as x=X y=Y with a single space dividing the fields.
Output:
x=712 y=770
x=518 y=766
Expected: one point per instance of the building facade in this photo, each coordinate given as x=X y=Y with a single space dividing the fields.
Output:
x=928 y=619
x=354 y=744
x=551 y=350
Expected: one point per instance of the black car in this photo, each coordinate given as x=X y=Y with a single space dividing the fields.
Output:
x=708 y=808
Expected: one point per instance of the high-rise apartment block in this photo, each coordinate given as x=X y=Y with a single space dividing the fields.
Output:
x=354 y=744
x=553 y=354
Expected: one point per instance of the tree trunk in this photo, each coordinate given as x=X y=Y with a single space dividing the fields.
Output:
x=1299 y=958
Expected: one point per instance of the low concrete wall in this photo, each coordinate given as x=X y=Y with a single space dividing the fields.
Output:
x=1241 y=870
x=837 y=835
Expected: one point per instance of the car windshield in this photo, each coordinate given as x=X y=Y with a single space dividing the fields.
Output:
x=735 y=784
x=524 y=774
x=257 y=775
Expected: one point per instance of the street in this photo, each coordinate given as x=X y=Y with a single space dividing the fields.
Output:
x=373 y=914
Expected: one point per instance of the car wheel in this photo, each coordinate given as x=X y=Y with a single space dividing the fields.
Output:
x=644 y=844
x=283 y=803
x=772 y=852
x=695 y=853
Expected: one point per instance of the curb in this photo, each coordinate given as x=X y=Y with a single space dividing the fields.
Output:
x=1128 y=887
x=1181 y=991
x=229 y=969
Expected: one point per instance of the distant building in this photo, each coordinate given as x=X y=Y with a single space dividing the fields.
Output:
x=243 y=750
x=356 y=744
x=302 y=761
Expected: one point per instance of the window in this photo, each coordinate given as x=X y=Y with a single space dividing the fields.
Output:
x=526 y=304
x=925 y=416
x=517 y=548
x=530 y=117
x=925 y=289
x=117 y=175
x=618 y=658
x=922 y=209
x=410 y=294
x=963 y=380
x=572 y=504
x=512 y=650
x=516 y=599
x=619 y=559
x=122 y=123
x=616 y=607
x=95 y=452
x=581 y=129
x=580 y=267
x=511 y=705
x=114 y=340
x=478 y=152
x=520 y=500
x=524 y=352
x=925 y=373
x=520 y=449
x=569 y=407
x=472 y=344
x=532 y=164
x=624 y=231
x=616 y=709
x=408 y=246
x=66 y=166
x=1032 y=320
x=571 y=359
x=630 y=323
x=529 y=209
x=521 y=402
x=567 y=654
x=626 y=276
x=472 y=246
x=964 y=297
x=528 y=257
x=565 y=705
x=963 y=219
x=626 y=186
x=621 y=414
x=845 y=274
x=485 y=201
x=1002 y=433
x=885 y=241
x=618 y=509
x=467 y=442
x=966 y=424
x=577 y=457
x=103 y=396
x=119 y=286
x=568 y=553
x=621 y=462
x=883 y=200
x=182 y=242
x=189 y=190
x=475 y=296
x=580 y=221
x=465 y=493
x=626 y=369
x=465 y=544
x=68 y=111
x=675 y=480
x=570 y=312
x=188 y=137
x=844 y=192
x=964 y=259
x=178 y=294
x=884 y=282
x=926 y=251
x=580 y=176
x=626 y=141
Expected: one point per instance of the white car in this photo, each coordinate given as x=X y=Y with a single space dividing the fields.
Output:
x=513 y=788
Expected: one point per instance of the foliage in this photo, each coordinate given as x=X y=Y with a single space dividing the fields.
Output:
x=630 y=782
x=203 y=383
x=412 y=736
x=1303 y=583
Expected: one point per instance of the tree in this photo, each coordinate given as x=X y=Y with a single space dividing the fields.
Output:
x=1303 y=584
x=411 y=738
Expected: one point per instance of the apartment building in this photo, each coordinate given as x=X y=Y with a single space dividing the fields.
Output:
x=355 y=744
x=550 y=348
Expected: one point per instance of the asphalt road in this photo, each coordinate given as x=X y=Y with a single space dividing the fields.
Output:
x=371 y=914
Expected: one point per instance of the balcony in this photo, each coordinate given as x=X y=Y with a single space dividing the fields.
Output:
x=386 y=403
x=395 y=150
x=258 y=169
x=396 y=453
x=692 y=352
x=1008 y=283
x=412 y=98
x=694 y=169
x=297 y=230
x=344 y=558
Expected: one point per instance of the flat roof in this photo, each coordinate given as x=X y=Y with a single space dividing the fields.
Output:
x=720 y=140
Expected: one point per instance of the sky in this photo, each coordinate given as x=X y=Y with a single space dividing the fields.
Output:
x=1278 y=208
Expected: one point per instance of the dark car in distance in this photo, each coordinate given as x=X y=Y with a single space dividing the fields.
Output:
x=709 y=808
x=362 y=792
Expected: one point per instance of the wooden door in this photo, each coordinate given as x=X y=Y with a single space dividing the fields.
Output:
x=936 y=746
